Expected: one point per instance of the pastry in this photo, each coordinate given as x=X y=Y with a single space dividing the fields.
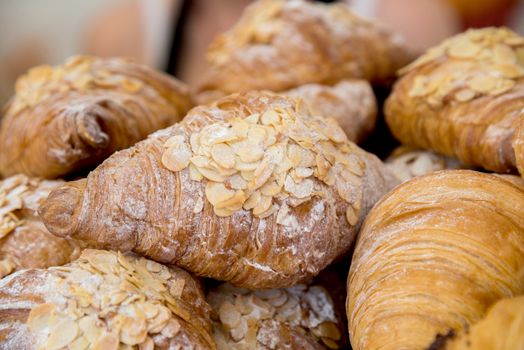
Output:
x=24 y=240
x=501 y=329
x=465 y=98
x=69 y=118
x=253 y=189
x=407 y=162
x=278 y=45
x=351 y=102
x=298 y=317
x=104 y=301
x=433 y=255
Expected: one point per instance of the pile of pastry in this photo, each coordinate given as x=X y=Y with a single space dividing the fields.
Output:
x=137 y=214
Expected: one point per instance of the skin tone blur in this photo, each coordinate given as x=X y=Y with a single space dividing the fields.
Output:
x=120 y=29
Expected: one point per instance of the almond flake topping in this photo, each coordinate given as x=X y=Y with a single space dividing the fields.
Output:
x=257 y=162
x=106 y=300
x=497 y=51
x=243 y=317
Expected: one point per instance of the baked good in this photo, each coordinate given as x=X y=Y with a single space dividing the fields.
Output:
x=464 y=98
x=104 y=300
x=501 y=329
x=70 y=117
x=253 y=189
x=24 y=240
x=351 y=102
x=278 y=45
x=433 y=255
x=298 y=317
x=518 y=145
x=406 y=162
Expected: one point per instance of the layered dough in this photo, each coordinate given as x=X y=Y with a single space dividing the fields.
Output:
x=433 y=255
x=69 y=118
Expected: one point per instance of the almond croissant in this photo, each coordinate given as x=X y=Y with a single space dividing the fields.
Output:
x=406 y=162
x=351 y=102
x=465 y=98
x=278 y=45
x=71 y=117
x=433 y=255
x=252 y=189
x=104 y=301
x=299 y=317
x=501 y=329
x=24 y=240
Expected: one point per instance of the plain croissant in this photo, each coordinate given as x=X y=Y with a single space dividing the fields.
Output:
x=71 y=117
x=298 y=317
x=104 y=301
x=252 y=189
x=24 y=240
x=278 y=45
x=501 y=329
x=433 y=255
x=465 y=98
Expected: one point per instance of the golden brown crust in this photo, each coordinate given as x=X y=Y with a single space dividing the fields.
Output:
x=433 y=255
x=101 y=300
x=351 y=102
x=518 y=145
x=299 y=317
x=464 y=98
x=278 y=45
x=501 y=329
x=281 y=219
x=24 y=240
x=71 y=117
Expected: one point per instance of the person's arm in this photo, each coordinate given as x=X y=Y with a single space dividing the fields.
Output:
x=423 y=23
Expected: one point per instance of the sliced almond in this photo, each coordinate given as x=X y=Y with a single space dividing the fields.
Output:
x=464 y=95
x=351 y=215
x=38 y=318
x=176 y=159
x=229 y=315
x=62 y=334
x=216 y=192
x=108 y=341
x=223 y=155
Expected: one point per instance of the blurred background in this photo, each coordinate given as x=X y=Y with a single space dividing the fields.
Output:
x=173 y=35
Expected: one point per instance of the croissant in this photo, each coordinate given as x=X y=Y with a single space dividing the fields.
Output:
x=407 y=162
x=278 y=45
x=24 y=240
x=69 y=118
x=253 y=189
x=351 y=102
x=465 y=98
x=432 y=256
x=298 y=317
x=104 y=301
x=501 y=329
